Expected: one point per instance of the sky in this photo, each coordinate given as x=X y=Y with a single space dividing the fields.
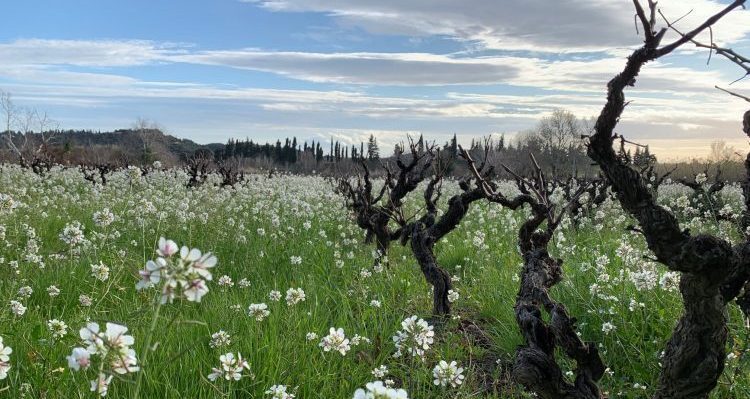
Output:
x=209 y=70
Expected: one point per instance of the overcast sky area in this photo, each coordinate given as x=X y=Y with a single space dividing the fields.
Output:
x=316 y=69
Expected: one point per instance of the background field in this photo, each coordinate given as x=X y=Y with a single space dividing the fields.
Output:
x=256 y=228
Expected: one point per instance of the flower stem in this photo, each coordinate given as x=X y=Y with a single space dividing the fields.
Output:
x=147 y=347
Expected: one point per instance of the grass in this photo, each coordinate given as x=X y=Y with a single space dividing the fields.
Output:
x=227 y=223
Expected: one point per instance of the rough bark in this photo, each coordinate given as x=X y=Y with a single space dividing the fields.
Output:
x=535 y=365
x=373 y=211
x=695 y=355
x=422 y=245
x=429 y=229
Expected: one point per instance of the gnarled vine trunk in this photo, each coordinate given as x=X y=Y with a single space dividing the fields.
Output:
x=422 y=245
x=711 y=269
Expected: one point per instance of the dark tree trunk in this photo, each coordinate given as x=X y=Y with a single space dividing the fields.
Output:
x=694 y=357
x=422 y=245
x=535 y=366
x=711 y=270
x=382 y=233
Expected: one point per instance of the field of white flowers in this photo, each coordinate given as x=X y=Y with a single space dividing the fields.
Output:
x=145 y=288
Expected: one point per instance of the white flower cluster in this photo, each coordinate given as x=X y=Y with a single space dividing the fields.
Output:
x=294 y=296
x=112 y=347
x=187 y=272
x=335 y=341
x=415 y=337
x=279 y=392
x=259 y=311
x=378 y=390
x=104 y=218
x=57 y=328
x=219 y=339
x=5 y=352
x=231 y=368
x=72 y=234
x=448 y=374
x=7 y=204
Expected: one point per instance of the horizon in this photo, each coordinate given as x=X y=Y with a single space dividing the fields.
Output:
x=322 y=70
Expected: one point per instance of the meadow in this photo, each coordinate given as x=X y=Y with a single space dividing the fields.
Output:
x=304 y=307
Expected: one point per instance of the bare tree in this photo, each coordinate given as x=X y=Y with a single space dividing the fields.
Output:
x=432 y=226
x=712 y=271
x=721 y=152
x=231 y=172
x=560 y=131
x=198 y=168
x=10 y=115
x=535 y=365
x=373 y=211
x=146 y=130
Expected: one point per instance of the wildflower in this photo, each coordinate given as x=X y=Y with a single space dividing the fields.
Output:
x=380 y=371
x=17 y=308
x=104 y=217
x=57 y=327
x=25 y=292
x=643 y=280
x=377 y=390
x=100 y=271
x=279 y=392
x=225 y=281
x=53 y=291
x=311 y=336
x=244 y=283
x=85 y=300
x=701 y=178
x=358 y=339
x=187 y=272
x=295 y=260
x=294 y=296
x=375 y=303
x=448 y=374
x=608 y=327
x=415 y=337
x=231 y=368
x=101 y=384
x=452 y=296
x=258 y=310
x=336 y=341
x=219 y=339
x=670 y=281
x=5 y=352
x=80 y=358
x=7 y=203
x=113 y=350
x=274 y=296
x=72 y=234
x=113 y=346
x=633 y=305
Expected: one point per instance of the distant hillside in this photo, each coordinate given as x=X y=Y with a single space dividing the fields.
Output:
x=124 y=146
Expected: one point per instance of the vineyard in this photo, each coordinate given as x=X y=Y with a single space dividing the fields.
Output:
x=291 y=265
x=395 y=279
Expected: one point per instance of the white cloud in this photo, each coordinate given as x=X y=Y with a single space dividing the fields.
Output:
x=85 y=52
x=536 y=25
x=364 y=68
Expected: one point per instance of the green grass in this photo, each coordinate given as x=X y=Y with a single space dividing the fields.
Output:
x=226 y=222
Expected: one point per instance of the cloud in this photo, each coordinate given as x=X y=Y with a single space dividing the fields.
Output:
x=532 y=25
x=364 y=68
x=90 y=53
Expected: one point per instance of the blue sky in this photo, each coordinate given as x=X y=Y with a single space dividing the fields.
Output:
x=316 y=69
